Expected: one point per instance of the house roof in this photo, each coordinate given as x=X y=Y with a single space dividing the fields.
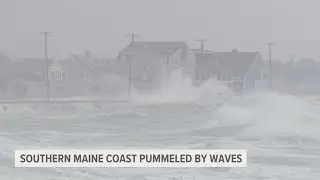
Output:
x=165 y=48
x=205 y=57
x=199 y=50
x=240 y=62
x=84 y=61
x=25 y=65
x=24 y=69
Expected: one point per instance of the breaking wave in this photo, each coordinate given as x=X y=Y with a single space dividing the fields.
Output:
x=272 y=126
x=269 y=115
x=177 y=88
x=256 y=114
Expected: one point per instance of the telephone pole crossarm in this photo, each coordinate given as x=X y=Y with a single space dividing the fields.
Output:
x=132 y=35
x=202 y=44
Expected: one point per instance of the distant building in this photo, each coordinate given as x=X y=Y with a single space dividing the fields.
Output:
x=78 y=75
x=24 y=77
x=85 y=75
x=150 y=61
x=190 y=65
x=239 y=70
x=205 y=66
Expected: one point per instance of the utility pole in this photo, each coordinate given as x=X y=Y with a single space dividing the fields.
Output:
x=270 y=63
x=132 y=35
x=45 y=33
x=202 y=44
x=291 y=74
x=204 y=71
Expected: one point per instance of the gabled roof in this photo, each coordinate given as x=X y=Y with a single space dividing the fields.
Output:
x=205 y=57
x=24 y=69
x=240 y=62
x=199 y=50
x=85 y=62
x=165 y=48
x=28 y=65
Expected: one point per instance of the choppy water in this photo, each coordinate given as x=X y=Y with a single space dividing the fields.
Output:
x=281 y=133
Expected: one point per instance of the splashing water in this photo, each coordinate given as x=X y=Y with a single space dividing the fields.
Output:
x=176 y=88
x=271 y=114
x=265 y=123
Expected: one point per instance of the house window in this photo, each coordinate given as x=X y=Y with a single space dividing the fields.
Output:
x=57 y=75
x=168 y=60
x=223 y=76
x=226 y=75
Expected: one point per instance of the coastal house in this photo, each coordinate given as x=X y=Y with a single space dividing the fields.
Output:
x=148 y=62
x=205 y=66
x=189 y=66
x=78 y=75
x=24 y=77
x=238 y=70
x=84 y=74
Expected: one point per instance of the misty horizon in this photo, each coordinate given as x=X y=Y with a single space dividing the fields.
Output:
x=100 y=26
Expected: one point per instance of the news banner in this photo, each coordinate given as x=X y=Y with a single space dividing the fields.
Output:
x=131 y=158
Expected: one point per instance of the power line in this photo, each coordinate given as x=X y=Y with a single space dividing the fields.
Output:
x=46 y=33
x=270 y=63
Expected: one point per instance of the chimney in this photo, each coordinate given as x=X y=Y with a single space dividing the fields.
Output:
x=235 y=50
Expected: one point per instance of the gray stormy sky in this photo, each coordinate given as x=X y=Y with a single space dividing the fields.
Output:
x=99 y=25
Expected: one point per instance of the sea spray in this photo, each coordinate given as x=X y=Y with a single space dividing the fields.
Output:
x=270 y=115
x=177 y=88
